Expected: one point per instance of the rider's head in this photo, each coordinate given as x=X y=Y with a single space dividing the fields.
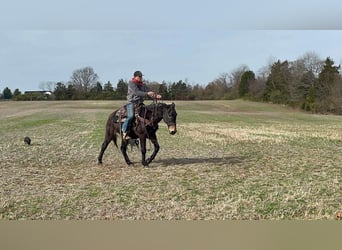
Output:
x=138 y=74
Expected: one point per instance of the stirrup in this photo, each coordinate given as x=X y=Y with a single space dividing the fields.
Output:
x=125 y=136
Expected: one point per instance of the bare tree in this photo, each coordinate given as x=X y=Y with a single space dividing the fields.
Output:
x=304 y=71
x=312 y=62
x=84 y=79
x=264 y=71
x=301 y=82
x=235 y=78
x=235 y=75
x=257 y=88
x=47 y=86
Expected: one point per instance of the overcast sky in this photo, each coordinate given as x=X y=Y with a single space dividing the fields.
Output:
x=44 y=41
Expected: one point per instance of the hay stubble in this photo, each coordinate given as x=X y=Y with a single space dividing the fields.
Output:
x=229 y=160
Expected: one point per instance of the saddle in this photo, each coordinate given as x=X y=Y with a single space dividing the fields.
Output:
x=121 y=114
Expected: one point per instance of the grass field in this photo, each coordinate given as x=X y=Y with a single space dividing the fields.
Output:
x=228 y=160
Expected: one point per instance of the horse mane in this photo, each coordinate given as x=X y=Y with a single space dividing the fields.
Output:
x=152 y=106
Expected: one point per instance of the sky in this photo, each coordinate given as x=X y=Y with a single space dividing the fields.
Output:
x=45 y=41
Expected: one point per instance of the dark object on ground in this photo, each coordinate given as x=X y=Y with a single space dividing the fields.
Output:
x=27 y=140
x=133 y=143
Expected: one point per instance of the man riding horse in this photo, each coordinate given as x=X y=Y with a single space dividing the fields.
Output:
x=135 y=96
x=145 y=125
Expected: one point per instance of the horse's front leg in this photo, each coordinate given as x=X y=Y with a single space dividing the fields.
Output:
x=123 y=148
x=154 y=140
x=143 y=151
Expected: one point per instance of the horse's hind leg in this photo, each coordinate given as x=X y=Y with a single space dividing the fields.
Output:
x=103 y=149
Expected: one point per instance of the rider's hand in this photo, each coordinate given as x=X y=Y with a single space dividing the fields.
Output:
x=150 y=94
x=154 y=95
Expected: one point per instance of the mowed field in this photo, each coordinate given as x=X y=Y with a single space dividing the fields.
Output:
x=228 y=160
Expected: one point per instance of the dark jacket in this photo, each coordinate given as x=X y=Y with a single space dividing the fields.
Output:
x=136 y=92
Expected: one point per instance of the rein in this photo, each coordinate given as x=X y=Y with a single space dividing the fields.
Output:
x=148 y=122
x=154 y=111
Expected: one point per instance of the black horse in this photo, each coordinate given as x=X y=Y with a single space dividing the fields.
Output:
x=144 y=126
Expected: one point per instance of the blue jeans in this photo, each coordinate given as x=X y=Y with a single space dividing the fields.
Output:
x=130 y=115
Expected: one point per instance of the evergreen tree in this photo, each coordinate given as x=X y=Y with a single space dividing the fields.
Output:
x=7 y=93
x=60 y=91
x=16 y=94
x=323 y=88
x=96 y=91
x=121 y=89
x=108 y=91
x=245 y=82
x=71 y=93
x=277 y=84
x=108 y=87
x=163 y=91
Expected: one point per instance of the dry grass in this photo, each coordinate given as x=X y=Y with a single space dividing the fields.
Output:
x=229 y=160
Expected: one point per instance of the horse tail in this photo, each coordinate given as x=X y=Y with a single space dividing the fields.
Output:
x=112 y=127
x=114 y=140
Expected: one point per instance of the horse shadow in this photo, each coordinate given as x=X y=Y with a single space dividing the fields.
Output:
x=218 y=161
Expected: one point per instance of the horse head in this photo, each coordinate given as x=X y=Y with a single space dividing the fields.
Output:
x=169 y=117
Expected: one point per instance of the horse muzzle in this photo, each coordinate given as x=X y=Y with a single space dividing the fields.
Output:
x=172 y=129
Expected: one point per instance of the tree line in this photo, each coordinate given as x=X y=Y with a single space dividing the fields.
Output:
x=309 y=83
